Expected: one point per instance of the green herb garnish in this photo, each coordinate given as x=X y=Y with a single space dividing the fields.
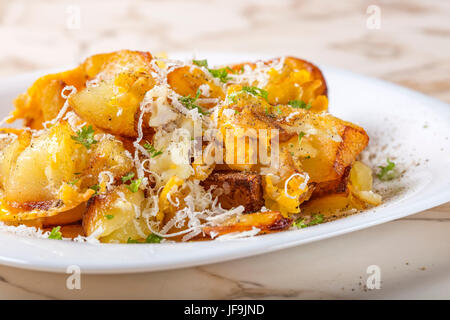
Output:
x=299 y=104
x=221 y=74
x=300 y=223
x=134 y=185
x=128 y=176
x=254 y=91
x=318 y=218
x=387 y=172
x=278 y=110
x=55 y=234
x=109 y=216
x=151 y=149
x=153 y=238
x=85 y=136
x=131 y=240
x=189 y=102
x=96 y=188
x=73 y=182
x=300 y=136
x=201 y=63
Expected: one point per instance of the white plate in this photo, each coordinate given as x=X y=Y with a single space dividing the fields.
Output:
x=402 y=124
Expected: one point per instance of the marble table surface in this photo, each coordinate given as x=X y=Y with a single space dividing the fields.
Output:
x=407 y=43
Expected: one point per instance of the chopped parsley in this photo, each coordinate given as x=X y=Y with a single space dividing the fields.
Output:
x=109 y=216
x=300 y=136
x=221 y=73
x=134 y=185
x=73 y=182
x=254 y=91
x=300 y=223
x=128 y=176
x=201 y=63
x=151 y=149
x=85 y=136
x=189 y=102
x=387 y=172
x=153 y=238
x=278 y=110
x=299 y=104
x=55 y=234
x=96 y=188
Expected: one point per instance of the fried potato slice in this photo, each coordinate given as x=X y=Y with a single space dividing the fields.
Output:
x=235 y=188
x=186 y=81
x=361 y=184
x=19 y=212
x=113 y=104
x=108 y=155
x=43 y=100
x=114 y=214
x=337 y=186
x=331 y=205
x=39 y=170
x=67 y=217
x=267 y=222
x=337 y=143
x=297 y=80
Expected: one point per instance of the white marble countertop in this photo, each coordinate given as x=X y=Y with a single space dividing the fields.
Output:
x=411 y=48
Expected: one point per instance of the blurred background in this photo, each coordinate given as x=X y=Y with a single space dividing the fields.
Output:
x=406 y=42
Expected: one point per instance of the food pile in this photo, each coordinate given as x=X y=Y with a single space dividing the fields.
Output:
x=131 y=148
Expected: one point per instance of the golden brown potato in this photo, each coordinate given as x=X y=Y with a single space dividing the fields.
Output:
x=9 y=154
x=236 y=188
x=43 y=99
x=67 y=217
x=329 y=205
x=186 y=81
x=335 y=152
x=361 y=184
x=298 y=80
x=113 y=63
x=113 y=212
x=107 y=155
x=267 y=222
x=24 y=212
x=336 y=186
x=40 y=169
x=113 y=104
